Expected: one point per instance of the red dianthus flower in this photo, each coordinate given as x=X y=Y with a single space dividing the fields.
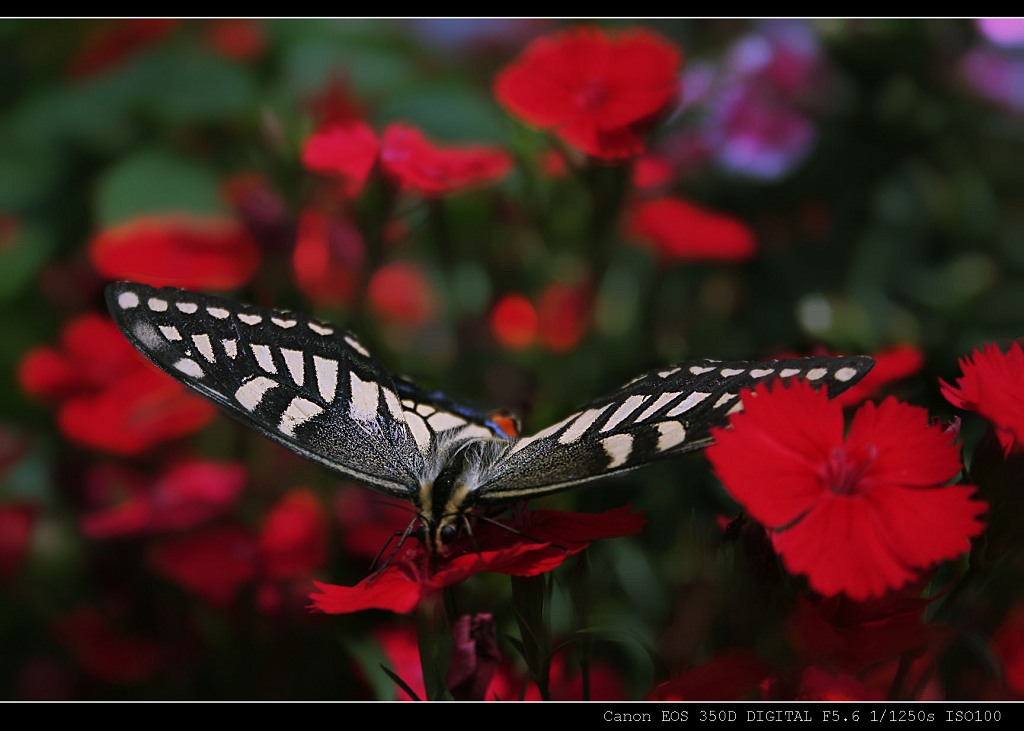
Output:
x=991 y=387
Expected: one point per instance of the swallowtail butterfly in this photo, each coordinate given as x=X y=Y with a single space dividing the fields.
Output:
x=318 y=391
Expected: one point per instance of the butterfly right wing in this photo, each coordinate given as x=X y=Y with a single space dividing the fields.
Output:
x=298 y=381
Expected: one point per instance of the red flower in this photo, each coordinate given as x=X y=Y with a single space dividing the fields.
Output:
x=597 y=91
x=417 y=164
x=859 y=515
x=240 y=39
x=183 y=250
x=16 y=523
x=1008 y=646
x=475 y=657
x=554 y=537
x=991 y=387
x=891 y=364
x=732 y=675
x=213 y=564
x=188 y=494
x=116 y=40
x=514 y=322
x=346 y=149
x=818 y=684
x=328 y=258
x=107 y=654
x=681 y=230
x=400 y=293
x=293 y=537
x=113 y=398
x=652 y=171
x=563 y=315
x=368 y=520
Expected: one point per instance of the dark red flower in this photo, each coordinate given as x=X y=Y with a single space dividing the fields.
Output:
x=819 y=684
x=213 y=564
x=240 y=39
x=597 y=91
x=417 y=164
x=554 y=536
x=368 y=520
x=860 y=514
x=111 y=398
x=346 y=149
x=563 y=315
x=183 y=250
x=187 y=495
x=116 y=40
x=475 y=657
x=731 y=675
x=991 y=387
x=328 y=258
x=293 y=537
x=400 y=293
x=16 y=523
x=262 y=210
x=680 y=230
x=891 y=364
x=1008 y=647
x=514 y=322
x=106 y=653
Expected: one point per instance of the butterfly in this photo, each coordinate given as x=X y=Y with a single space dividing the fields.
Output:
x=317 y=390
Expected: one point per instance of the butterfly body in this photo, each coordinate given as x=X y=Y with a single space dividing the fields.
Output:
x=318 y=391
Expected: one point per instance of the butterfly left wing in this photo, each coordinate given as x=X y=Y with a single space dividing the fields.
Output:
x=661 y=414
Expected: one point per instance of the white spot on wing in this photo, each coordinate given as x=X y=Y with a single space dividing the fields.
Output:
x=392 y=401
x=204 y=346
x=419 y=430
x=296 y=366
x=736 y=408
x=425 y=409
x=726 y=398
x=845 y=374
x=365 y=398
x=474 y=431
x=729 y=372
x=542 y=434
x=189 y=367
x=263 y=357
x=442 y=421
x=688 y=403
x=660 y=402
x=816 y=373
x=147 y=334
x=157 y=305
x=669 y=372
x=230 y=347
x=357 y=346
x=626 y=408
x=326 y=377
x=698 y=370
x=250 y=393
x=250 y=319
x=170 y=332
x=761 y=372
x=128 y=300
x=188 y=308
x=284 y=323
x=787 y=372
x=320 y=329
x=618 y=448
x=670 y=433
x=298 y=412
x=581 y=424
x=219 y=312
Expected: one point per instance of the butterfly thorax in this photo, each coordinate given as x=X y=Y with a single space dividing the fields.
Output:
x=444 y=501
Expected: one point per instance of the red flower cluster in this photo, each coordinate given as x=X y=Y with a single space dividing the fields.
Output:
x=111 y=398
x=188 y=494
x=195 y=252
x=558 y=321
x=860 y=514
x=991 y=386
x=597 y=91
x=401 y=293
x=554 y=536
x=680 y=230
x=348 y=149
x=328 y=258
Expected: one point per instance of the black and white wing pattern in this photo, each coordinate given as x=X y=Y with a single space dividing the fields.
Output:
x=297 y=380
x=660 y=414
